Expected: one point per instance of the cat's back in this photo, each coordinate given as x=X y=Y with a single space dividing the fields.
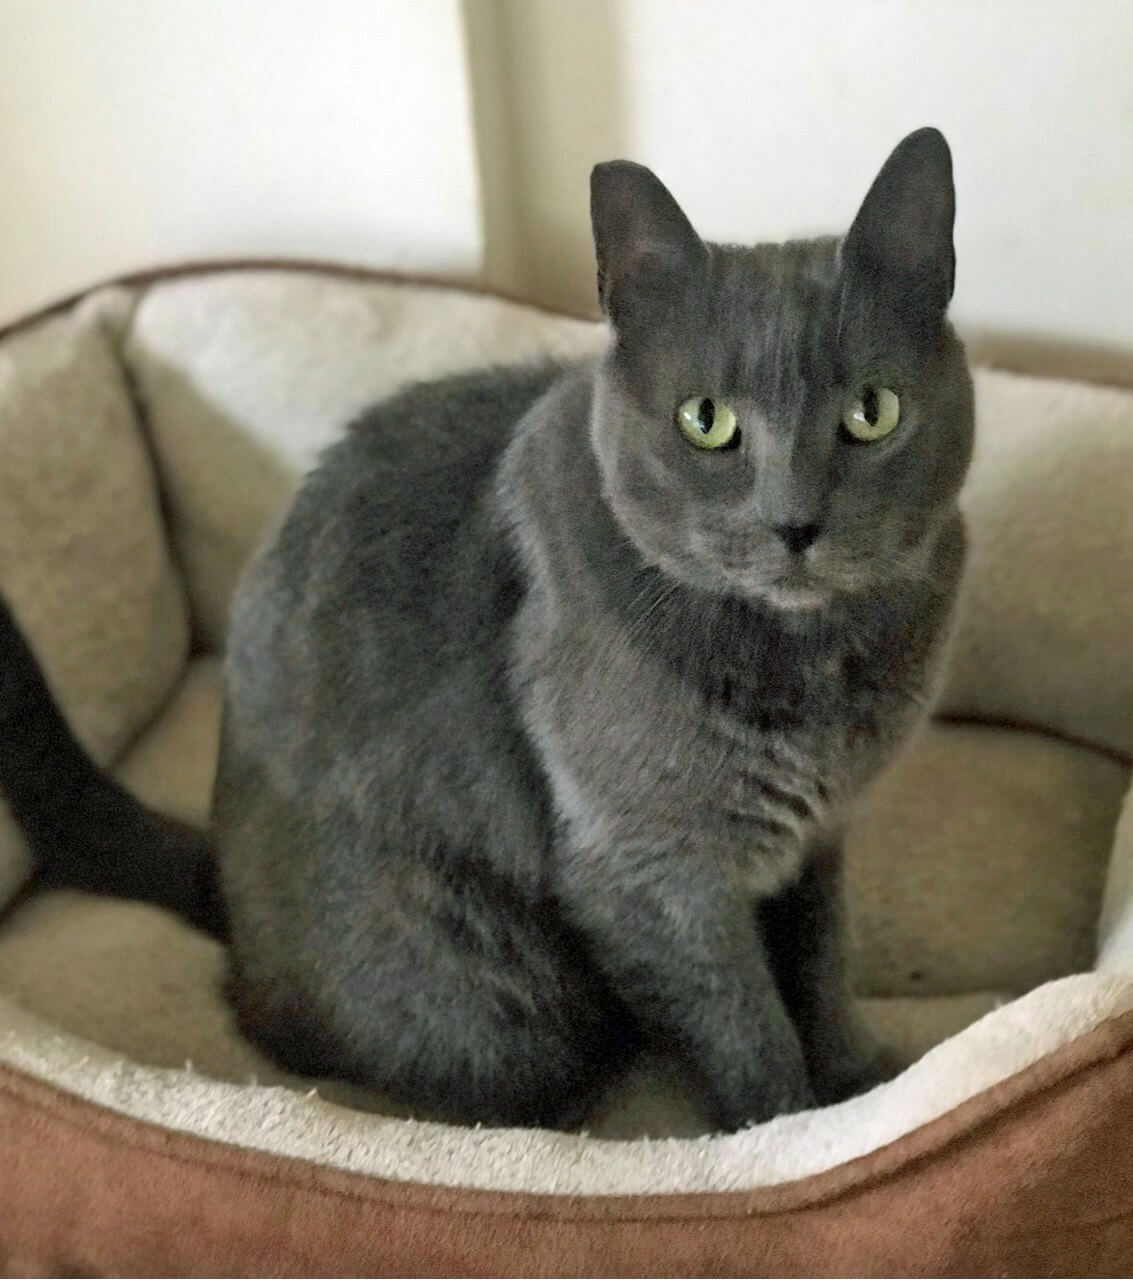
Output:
x=378 y=534
x=384 y=589
x=411 y=471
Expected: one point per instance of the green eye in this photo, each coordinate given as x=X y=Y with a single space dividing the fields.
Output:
x=707 y=423
x=873 y=416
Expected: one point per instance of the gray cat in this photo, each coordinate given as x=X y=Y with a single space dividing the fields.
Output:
x=547 y=704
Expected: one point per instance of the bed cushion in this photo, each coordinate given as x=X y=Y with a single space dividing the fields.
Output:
x=1025 y=1181
x=142 y=1133
x=84 y=559
x=1051 y=561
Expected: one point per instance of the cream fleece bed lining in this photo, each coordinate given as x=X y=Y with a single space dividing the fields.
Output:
x=242 y=377
x=305 y=1126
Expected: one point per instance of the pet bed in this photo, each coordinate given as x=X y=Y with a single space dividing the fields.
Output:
x=150 y=432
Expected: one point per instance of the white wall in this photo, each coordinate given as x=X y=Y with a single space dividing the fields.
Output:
x=770 y=117
x=139 y=132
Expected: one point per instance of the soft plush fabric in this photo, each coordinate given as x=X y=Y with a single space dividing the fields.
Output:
x=143 y=1134
x=83 y=555
x=1030 y=1178
x=1115 y=929
x=1048 y=610
x=979 y=860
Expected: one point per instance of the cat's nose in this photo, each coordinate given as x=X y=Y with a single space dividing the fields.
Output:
x=798 y=536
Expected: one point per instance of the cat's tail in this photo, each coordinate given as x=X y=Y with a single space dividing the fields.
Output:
x=84 y=830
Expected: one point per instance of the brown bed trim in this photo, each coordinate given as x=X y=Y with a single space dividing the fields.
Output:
x=1048 y=358
x=1014 y=352
x=1032 y=1177
x=312 y=266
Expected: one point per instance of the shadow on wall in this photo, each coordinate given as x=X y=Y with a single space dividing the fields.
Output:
x=526 y=59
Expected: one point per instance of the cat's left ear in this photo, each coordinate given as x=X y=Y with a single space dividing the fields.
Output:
x=901 y=240
x=644 y=244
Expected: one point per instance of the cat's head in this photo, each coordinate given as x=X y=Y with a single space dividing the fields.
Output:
x=787 y=422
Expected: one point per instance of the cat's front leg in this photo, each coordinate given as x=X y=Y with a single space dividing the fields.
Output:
x=674 y=939
x=804 y=932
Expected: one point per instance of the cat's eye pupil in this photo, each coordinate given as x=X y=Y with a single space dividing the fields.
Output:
x=875 y=414
x=870 y=406
x=708 y=423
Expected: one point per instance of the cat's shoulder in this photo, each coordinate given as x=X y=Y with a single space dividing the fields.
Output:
x=462 y=412
x=419 y=455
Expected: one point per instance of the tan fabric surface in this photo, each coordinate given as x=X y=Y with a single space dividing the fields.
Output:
x=1115 y=928
x=979 y=862
x=1047 y=619
x=83 y=556
x=172 y=765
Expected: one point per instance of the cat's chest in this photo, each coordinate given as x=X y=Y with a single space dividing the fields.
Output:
x=749 y=765
x=764 y=770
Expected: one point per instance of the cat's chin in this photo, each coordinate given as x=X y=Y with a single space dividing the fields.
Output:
x=799 y=592
x=795 y=595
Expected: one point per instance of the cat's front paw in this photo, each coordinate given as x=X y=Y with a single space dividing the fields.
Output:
x=848 y=1074
x=789 y=1093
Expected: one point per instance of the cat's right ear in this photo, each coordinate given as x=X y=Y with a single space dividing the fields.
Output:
x=901 y=240
x=643 y=241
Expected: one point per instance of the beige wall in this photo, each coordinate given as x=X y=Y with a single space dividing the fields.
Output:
x=457 y=135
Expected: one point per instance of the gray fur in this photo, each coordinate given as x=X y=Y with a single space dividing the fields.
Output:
x=539 y=739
